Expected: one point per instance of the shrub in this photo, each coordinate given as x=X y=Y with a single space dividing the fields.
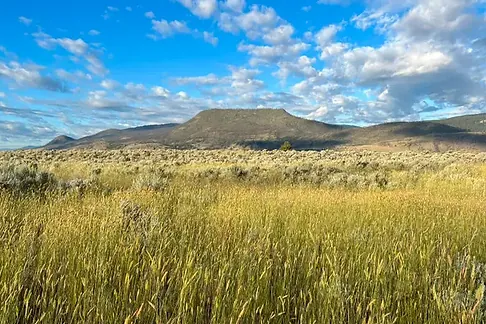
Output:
x=286 y=146
x=157 y=181
x=23 y=180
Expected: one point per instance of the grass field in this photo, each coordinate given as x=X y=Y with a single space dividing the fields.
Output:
x=242 y=237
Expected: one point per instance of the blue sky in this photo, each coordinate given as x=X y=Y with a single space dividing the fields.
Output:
x=76 y=68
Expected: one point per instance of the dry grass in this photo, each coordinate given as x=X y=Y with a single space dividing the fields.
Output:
x=139 y=246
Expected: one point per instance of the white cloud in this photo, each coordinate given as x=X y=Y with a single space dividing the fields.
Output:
x=318 y=113
x=426 y=56
x=167 y=29
x=25 y=21
x=160 y=92
x=112 y=9
x=272 y=54
x=257 y=21
x=150 y=15
x=326 y=35
x=2 y=94
x=332 y=50
x=109 y=84
x=280 y=35
x=210 y=38
x=443 y=19
x=183 y=95
x=201 y=8
x=235 y=5
x=30 y=76
x=128 y=8
x=134 y=91
x=210 y=79
x=306 y=8
x=302 y=67
x=93 y=32
x=75 y=46
x=241 y=81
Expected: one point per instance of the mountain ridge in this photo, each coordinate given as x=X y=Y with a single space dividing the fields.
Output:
x=269 y=128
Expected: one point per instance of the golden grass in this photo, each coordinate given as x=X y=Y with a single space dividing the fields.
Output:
x=236 y=251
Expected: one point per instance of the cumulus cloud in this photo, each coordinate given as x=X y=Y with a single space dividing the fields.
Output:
x=159 y=91
x=265 y=54
x=235 y=5
x=427 y=56
x=280 y=35
x=201 y=8
x=167 y=29
x=302 y=67
x=326 y=35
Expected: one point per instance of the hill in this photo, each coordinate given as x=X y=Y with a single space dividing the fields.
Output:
x=261 y=128
x=423 y=135
x=60 y=142
x=470 y=123
x=269 y=128
x=114 y=138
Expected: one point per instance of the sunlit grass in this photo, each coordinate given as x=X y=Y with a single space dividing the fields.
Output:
x=238 y=251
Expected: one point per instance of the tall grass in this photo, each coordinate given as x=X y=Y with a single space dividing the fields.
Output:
x=242 y=252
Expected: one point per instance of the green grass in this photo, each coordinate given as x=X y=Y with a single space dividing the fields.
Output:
x=243 y=252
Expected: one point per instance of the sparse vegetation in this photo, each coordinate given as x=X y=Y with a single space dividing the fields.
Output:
x=234 y=236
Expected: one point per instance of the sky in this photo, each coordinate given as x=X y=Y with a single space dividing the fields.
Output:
x=79 y=67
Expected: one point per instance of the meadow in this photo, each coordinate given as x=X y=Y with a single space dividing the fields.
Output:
x=235 y=236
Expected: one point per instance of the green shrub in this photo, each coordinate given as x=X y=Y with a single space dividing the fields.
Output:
x=286 y=146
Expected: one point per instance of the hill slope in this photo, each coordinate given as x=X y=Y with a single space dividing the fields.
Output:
x=60 y=142
x=269 y=128
x=471 y=123
x=113 y=138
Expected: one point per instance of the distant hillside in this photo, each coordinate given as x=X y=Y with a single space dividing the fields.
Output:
x=269 y=128
x=433 y=136
x=113 y=138
x=471 y=123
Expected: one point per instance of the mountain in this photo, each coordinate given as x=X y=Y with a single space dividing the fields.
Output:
x=248 y=127
x=269 y=128
x=60 y=142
